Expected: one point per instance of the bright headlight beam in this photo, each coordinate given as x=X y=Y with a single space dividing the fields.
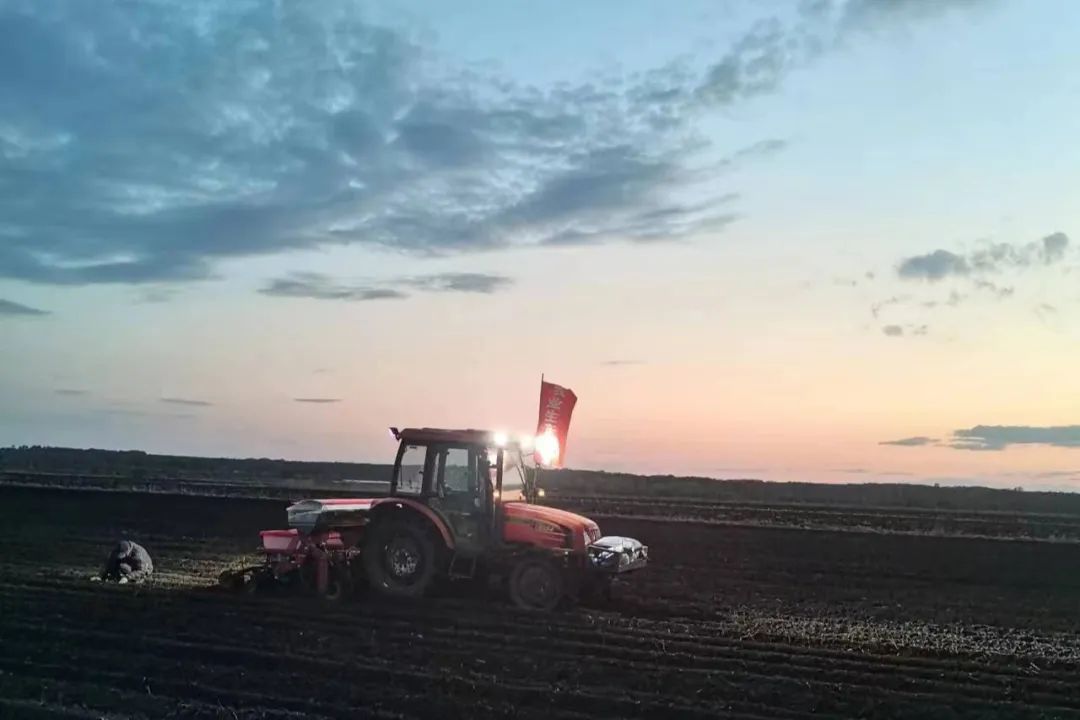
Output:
x=547 y=447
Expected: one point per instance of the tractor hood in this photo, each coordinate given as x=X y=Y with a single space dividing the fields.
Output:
x=576 y=524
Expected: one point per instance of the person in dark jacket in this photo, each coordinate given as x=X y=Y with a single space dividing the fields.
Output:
x=128 y=562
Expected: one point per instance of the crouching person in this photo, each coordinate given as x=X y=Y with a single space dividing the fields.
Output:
x=128 y=562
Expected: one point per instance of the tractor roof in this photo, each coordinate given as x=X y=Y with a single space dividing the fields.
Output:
x=438 y=435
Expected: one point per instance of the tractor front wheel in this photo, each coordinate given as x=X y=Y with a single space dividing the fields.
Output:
x=536 y=584
x=399 y=559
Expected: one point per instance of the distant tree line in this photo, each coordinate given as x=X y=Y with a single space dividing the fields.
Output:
x=138 y=465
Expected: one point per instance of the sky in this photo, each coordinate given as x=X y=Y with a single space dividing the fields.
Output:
x=823 y=240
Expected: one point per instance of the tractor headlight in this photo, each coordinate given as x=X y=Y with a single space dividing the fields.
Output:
x=547 y=447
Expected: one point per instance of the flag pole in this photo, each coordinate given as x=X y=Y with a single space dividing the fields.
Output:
x=536 y=473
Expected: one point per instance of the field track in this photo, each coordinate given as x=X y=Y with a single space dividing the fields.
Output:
x=736 y=622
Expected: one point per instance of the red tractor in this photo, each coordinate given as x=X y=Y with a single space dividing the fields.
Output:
x=448 y=515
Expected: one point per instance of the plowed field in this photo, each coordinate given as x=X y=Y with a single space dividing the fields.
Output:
x=897 y=521
x=728 y=622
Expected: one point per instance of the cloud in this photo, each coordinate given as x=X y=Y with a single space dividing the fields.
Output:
x=460 y=282
x=955 y=298
x=136 y=413
x=317 y=401
x=979 y=269
x=621 y=363
x=321 y=287
x=1045 y=311
x=754 y=151
x=901 y=330
x=989 y=259
x=620 y=193
x=147 y=146
x=755 y=65
x=247 y=130
x=998 y=291
x=999 y=437
x=877 y=307
x=8 y=307
x=759 y=61
x=934 y=266
x=153 y=295
x=874 y=15
x=917 y=441
x=70 y=392
x=1054 y=247
x=185 y=401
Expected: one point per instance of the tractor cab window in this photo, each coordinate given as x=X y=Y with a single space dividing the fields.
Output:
x=458 y=471
x=513 y=483
x=458 y=487
x=410 y=479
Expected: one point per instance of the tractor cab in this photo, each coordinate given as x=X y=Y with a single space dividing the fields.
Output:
x=460 y=475
x=479 y=487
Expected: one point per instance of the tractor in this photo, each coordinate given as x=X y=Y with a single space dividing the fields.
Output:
x=461 y=506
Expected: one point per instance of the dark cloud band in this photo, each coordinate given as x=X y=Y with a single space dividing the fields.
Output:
x=1000 y=437
x=989 y=259
x=917 y=441
x=142 y=147
x=10 y=307
x=322 y=287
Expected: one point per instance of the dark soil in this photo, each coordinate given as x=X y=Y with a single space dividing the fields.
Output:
x=727 y=622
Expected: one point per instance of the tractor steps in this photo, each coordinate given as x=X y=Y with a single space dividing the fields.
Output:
x=462 y=567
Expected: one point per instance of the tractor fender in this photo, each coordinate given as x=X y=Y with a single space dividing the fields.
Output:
x=384 y=506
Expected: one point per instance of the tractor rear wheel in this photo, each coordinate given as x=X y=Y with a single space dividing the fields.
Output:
x=399 y=559
x=536 y=584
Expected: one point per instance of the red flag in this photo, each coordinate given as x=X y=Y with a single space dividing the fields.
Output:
x=556 y=406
